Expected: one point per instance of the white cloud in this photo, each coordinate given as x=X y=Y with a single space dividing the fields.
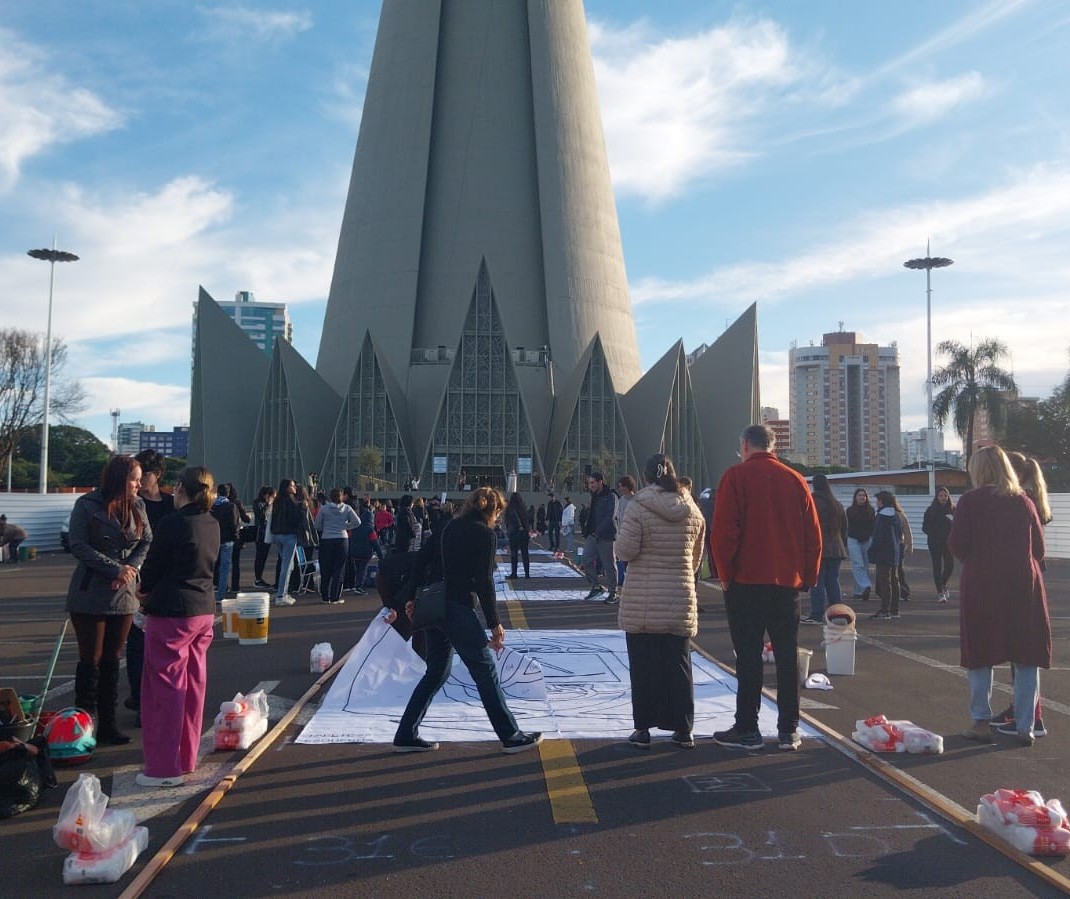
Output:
x=679 y=109
x=143 y=399
x=39 y=109
x=230 y=22
x=932 y=101
x=984 y=228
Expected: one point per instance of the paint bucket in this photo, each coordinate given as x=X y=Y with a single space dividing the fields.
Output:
x=804 y=664
x=840 y=652
x=230 y=617
x=253 y=611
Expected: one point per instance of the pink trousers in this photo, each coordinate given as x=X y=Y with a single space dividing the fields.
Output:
x=173 y=685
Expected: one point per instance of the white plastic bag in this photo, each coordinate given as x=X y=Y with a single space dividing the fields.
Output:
x=1026 y=821
x=82 y=810
x=242 y=721
x=321 y=658
x=106 y=867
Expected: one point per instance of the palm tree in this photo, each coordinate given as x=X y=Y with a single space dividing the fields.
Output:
x=972 y=380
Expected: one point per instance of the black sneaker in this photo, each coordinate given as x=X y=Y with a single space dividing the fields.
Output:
x=259 y=583
x=414 y=745
x=640 y=739
x=360 y=591
x=596 y=590
x=881 y=616
x=789 y=742
x=683 y=739
x=520 y=741
x=734 y=738
x=611 y=600
x=810 y=619
x=1004 y=717
x=865 y=594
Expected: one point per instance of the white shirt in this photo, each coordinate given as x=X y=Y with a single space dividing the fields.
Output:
x=568 y=516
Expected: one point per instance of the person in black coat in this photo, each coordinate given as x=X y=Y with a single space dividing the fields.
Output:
x=468 y=546
x=937 y=527
x=518 y=527
x=885 y=550
x=179 y=605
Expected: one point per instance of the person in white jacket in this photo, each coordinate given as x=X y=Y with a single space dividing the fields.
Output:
x=568 y=525
x=661 y=537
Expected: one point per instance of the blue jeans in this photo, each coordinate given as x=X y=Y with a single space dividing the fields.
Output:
x=1026 y=693
x=461 y=631
x=857 y=550
x=285 y=546
x=826 y=592
x=226 y=557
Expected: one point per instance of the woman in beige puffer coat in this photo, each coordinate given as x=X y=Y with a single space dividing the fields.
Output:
x=661 y=538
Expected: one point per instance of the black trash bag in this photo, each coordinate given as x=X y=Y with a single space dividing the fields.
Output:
x=24 y=777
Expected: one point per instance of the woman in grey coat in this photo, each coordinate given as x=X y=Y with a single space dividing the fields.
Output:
x=110 y=538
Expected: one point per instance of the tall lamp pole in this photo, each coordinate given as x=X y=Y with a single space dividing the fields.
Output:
x=51 y=257
x=929 y=263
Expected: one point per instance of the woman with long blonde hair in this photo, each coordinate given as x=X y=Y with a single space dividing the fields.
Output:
x=1003 y=611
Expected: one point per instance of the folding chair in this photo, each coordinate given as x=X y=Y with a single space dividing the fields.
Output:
x=306 y=572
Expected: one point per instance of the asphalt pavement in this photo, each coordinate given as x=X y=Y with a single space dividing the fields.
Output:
x=577 y=817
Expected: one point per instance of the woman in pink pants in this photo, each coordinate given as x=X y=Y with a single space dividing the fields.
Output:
x=179 y=604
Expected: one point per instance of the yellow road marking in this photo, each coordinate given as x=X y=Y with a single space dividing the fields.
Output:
x=569 y=799
x=516 y=614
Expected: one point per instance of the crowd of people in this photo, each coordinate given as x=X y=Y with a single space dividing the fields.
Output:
x=152 y=566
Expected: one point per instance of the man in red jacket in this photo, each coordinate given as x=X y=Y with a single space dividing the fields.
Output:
x=766 y=543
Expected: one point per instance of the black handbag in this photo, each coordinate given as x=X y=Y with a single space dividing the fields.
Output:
x=430 y=602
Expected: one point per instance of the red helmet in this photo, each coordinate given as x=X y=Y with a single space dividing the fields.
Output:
x=70 y=737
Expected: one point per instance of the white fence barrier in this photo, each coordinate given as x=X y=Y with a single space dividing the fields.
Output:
x=42 y=516
x=1056 y=534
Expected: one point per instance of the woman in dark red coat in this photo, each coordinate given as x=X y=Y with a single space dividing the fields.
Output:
x=1003 y=611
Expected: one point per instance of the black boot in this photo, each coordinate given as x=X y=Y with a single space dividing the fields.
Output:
x=107 y=697
x=86 y=676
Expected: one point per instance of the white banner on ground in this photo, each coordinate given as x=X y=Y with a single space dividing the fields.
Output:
x=568 y=684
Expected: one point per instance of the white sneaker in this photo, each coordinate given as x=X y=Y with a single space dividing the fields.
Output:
x=144 y=780
x=286 y=601
x=942 y=597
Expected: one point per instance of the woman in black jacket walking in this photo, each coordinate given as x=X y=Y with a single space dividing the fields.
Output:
x=468 y=546
x=937 y=526
x=518 y=527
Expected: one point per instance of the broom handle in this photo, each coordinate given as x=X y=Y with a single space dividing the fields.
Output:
x=51 y=671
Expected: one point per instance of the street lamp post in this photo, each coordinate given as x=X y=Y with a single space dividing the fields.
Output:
x=929 y=263
x=51 y=257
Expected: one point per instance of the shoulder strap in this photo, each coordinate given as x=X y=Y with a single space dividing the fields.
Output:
x=442 y=547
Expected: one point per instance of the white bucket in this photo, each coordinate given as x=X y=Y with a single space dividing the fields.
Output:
x=230 y=618
x=253 y=611
x=804 y=664
x=840 y=652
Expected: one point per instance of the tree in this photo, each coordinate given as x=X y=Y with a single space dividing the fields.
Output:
x=972 y=380
x=75 y=458
x=369 y=462
x=22 y=386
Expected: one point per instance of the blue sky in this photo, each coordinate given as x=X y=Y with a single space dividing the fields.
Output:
x=786 y=153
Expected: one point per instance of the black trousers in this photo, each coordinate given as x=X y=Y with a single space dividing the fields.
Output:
x=519 y=544
x=663 y=693
x=753 y=610
x=262 y=550
x=943 y=565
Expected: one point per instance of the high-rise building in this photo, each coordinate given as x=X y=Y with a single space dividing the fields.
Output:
x=262 y=322
x=916 y=448
x=781 y=428
x=844 y=399
x=128 y=439
x=173 y=444
x=479 y=319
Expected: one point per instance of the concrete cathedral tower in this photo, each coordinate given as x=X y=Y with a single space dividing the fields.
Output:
x=479 y=320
